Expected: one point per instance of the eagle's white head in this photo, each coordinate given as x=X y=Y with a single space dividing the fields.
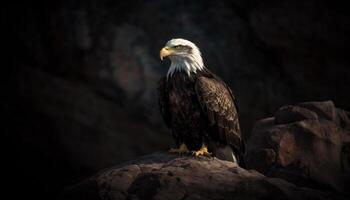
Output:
x=184 y=55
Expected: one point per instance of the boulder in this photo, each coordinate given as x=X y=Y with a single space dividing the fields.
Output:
x=289 y=114
x=307 y=144
x=165 y=176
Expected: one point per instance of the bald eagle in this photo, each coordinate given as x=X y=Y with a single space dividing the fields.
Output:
x=198 y=106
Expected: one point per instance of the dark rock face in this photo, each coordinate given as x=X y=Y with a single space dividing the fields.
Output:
x=79 y=91
x=289 y=114
x=306 y=144
x=163 y=176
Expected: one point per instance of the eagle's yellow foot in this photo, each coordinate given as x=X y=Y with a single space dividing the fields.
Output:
x=203 y=151
x=181 y=150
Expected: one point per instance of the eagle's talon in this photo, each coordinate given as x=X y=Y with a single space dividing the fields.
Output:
x=203 y=151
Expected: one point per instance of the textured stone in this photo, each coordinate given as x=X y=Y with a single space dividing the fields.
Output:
x=289 y=114
x=325 y=109
x=307 y=146
x=164 y=176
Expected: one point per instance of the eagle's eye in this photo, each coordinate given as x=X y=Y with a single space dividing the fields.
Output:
x=182 y=47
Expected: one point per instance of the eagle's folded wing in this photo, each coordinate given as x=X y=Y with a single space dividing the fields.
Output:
x=218 y=104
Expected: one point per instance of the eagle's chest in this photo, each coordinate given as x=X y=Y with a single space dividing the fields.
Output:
x=182 y=97
x=181 y=101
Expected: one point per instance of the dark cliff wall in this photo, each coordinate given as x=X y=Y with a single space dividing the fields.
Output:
x=80 y=84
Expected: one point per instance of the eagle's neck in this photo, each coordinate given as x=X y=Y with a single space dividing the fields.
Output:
x=189 y=64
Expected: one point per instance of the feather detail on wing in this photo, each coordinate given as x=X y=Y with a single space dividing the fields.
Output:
x=218 y=104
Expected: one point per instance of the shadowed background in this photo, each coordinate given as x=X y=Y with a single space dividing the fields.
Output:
x=80 y=87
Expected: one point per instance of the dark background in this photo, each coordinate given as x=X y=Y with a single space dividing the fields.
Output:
x=79 y=88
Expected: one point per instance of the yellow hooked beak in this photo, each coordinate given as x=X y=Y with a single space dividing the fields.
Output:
x=164 y=52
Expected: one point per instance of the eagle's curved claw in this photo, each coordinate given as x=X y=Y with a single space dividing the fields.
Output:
x=203 y=151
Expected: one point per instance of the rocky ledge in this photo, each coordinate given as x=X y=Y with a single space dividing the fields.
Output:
x=164 y=176
x=302 y=152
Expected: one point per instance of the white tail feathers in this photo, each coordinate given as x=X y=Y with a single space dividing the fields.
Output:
x=225 y=153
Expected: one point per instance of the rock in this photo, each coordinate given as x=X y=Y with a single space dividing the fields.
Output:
x=343 y=118
x=305 y=144
x=164 y=176
x=288 y=114
x=325 y=110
